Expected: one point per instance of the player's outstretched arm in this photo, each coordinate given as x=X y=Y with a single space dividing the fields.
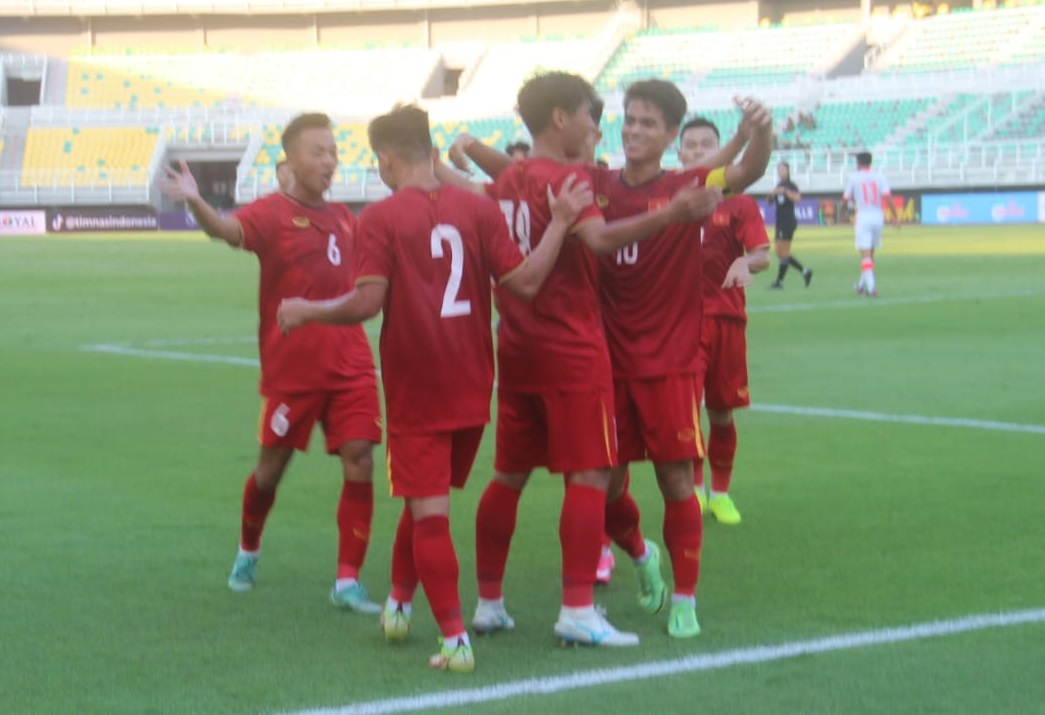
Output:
x=490 y=160
x=447 y=175
x=363 y=303
x=181 y=186
x=741 y=270
x=573 y=198
x=757 y=125
x=690 y=204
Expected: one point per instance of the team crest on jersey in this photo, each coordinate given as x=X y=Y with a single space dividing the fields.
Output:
x=658 y=203
x=301 y=221
x=602 y=201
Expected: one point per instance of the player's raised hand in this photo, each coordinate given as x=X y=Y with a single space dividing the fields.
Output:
x=574 y=197
x=693 y=203
x=755 y=116
x=458 y=152
x=179 y=185
x=738 y=275
x=292 y=313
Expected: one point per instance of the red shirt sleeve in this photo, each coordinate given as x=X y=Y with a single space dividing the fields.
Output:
x=583 y=174
x=374 y=257
x=700 y=174
x=503 y=255
x=258 y=220
x=750 y=229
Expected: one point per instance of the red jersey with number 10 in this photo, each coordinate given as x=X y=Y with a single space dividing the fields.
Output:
x=557 y=341
x=304 y=251
x=735 y=229
x=437 y=250
x=651 y=291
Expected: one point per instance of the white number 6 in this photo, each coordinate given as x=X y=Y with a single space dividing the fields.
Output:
x=333 y=252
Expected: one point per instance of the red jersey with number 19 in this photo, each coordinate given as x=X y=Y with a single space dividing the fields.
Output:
x=734 y=229
x=651 y=291
x=304 y=251
x=437 y=250
x=557 y=341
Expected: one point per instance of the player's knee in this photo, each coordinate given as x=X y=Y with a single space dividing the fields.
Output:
x=357 y=460
x=675 y=480
x=515 y=480
x=597 y=478
x=618 y=483
x=425 y=507
x=720 y=417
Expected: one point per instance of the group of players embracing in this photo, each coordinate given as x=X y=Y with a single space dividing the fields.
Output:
x=620 y=301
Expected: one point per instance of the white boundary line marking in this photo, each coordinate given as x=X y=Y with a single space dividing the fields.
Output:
x=857 y=302
x=550 y=685
x=170 y=355
x=901 y=419
x=825 y=412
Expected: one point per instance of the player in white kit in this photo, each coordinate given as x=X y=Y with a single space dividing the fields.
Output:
x=867 y=189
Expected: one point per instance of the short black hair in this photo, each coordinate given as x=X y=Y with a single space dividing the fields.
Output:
x=404 y=131
x=311 y=120
x=517 y=146
x=543 y=93
x=661 y=94
x=699 y=123
x=863 y=158
x=597 y=105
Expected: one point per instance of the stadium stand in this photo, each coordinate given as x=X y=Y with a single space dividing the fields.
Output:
x=962 y=87
x=88 y=156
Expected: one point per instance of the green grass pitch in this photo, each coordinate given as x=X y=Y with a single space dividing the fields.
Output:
x=121 y=475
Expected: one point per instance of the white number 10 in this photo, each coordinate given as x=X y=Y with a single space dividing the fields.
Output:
x=452 y=307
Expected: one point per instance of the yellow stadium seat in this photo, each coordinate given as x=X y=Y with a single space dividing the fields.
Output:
x=88 y=156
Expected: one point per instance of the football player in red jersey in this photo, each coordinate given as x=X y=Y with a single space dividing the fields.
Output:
x=427 y=255
x=555 y=389
x=735 y=246
x=304 y=246
x=654 y=335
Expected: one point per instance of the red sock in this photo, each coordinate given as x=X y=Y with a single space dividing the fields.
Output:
x=622 y=524
x=607 y=542
x=722 y=448
x=581 y=526
x=437 y=566
x=404 y=574
x=494 y=526
x=683 y=530
x=256 y=507
x=355 y=511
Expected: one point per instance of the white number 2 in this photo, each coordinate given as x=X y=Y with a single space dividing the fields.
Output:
x=452 y=307
x=333 y=252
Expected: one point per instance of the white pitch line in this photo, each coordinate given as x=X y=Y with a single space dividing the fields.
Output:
x=901 y=419
x=171 y=355
x=903 y=300
x=824 y=412
x=696 y=663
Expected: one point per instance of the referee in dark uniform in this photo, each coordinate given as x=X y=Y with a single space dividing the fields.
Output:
x=785 y=196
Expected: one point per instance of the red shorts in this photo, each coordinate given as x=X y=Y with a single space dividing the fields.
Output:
x=658 y=419
x=427 y=464
x=723 y=363
x=563 y=431
x=345 y=415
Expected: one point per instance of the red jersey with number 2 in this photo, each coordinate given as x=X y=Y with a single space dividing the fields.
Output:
x=557 y=341
x=304 y=251
x=437 y=250
x=735 y=229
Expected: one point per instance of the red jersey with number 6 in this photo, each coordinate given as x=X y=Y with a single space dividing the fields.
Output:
x=557 y=341
x=304 y=251
x=437 y=251
x=734 y=229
